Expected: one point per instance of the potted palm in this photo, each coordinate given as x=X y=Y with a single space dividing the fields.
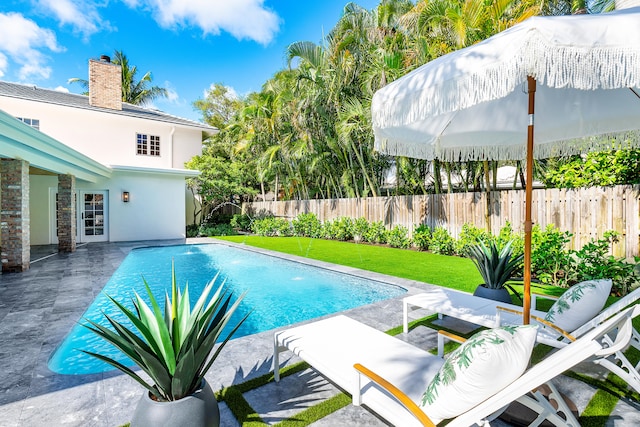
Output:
x=496 y=268
x=175 y=348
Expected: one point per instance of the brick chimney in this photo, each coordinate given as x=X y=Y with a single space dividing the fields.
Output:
x=105 y=84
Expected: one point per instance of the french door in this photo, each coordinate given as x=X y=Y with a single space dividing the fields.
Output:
x=93 y=216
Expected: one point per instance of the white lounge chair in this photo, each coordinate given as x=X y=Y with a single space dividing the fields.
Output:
x=461 y=305
x=615 y=362
x=491 y=314
x=400 y=372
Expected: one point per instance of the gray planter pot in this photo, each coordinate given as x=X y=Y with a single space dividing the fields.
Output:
x=501 y=294
x=197 y=410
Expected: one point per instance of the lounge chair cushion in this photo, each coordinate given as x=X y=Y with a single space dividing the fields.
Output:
x=579 y=304
x=486 y=363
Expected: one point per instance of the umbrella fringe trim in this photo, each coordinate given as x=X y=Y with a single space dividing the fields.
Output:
x=622 y=140
x=613 y=68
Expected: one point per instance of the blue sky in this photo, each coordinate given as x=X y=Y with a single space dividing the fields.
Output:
x=186 y=44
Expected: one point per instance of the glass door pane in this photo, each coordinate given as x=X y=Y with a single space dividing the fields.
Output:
x=93 y=217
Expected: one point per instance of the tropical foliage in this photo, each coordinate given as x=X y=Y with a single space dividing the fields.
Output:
x=600 y=169
x=174 y=346
x=308 y=132
x=496 y=266
x=552 y=263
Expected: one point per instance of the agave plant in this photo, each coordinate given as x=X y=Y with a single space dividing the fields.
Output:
x=173 y=346
x=495 y=267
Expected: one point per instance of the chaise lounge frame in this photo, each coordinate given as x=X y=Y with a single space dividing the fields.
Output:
x=491 y=314
x=364 y=362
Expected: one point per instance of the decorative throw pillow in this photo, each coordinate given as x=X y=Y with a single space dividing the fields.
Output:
x=485 y=364
x=579 y=304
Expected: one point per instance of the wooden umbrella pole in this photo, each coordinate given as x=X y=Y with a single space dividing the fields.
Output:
x=528 y=225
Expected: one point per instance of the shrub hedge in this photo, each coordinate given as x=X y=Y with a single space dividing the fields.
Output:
x=551 y=261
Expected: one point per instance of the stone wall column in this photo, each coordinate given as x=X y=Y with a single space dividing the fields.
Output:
x=66 y=213
x=14 y=215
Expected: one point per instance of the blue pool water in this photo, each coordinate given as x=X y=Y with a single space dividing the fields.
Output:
x=280 y=293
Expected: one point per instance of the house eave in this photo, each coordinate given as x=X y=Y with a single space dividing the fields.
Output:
x=187 y=173
x=21 y=141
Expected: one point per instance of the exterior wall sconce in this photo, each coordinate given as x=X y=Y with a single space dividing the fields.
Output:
x=125 y=196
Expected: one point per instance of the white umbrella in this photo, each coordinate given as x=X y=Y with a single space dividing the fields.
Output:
x=582 y=73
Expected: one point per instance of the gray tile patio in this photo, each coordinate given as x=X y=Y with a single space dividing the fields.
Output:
x=39 y=307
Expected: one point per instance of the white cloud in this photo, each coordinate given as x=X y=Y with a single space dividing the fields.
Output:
x=22 y=41
x=171 y=101
x=244 y=19
x=172 y=94
x=3 y=64
x=79 y=14
x=61 y=89
x=231 y=92
x=131 y=3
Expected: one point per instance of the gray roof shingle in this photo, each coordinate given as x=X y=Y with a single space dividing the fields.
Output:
x=34 y=93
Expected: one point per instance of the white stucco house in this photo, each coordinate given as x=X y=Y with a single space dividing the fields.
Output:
x=77 y=168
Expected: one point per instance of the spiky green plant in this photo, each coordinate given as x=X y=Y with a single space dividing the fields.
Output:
x=174 y=347
x=496 y=267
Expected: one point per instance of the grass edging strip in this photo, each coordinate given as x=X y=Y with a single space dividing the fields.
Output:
x=238 y=405
x=316 y=412
x=601 y=403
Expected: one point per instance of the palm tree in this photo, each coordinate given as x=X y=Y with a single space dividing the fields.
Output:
x=308 y=131
x=567 y=7
x=133 y=92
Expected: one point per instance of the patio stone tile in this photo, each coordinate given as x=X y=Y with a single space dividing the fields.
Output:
x=421 y=337
x=226 y=416
x=19 y=347
x=275 y=402
x=57 y=322
x=577 y=391
x=72 y=406
x=56 y=274
x=242 y=359
x=12 y=295
x=41 y=385
x=626 y=413
x=4 y=310
x=31 y=301
x=350 y=415
x=78 y=272
x=15 y=389
x=70 y=305
x=121 y=395
x=16 y=362
x=10 y=413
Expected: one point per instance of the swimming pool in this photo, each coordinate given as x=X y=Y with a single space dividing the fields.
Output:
x=280 y=293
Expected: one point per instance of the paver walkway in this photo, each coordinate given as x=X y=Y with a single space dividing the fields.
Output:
x=39 y=307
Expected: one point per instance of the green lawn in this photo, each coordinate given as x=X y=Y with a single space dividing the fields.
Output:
x=452 y=272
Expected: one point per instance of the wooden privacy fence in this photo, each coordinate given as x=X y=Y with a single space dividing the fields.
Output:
x=586 y=212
